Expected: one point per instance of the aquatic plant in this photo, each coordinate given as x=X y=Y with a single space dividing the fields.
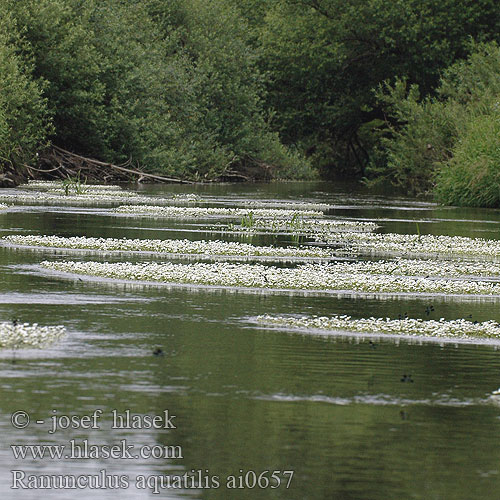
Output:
x=287 y=205
x=201 y=212
x=39 y=198
x=200 y=247
x=15 y=335
x=88 y=194
x=59 y=186
x=74 y=184
x=412 y=244
x=303 y=226
x=66 y=188
x=3 y=206
x=318 y=277
x=459 y=328
x=248 y=220
x=419 y=267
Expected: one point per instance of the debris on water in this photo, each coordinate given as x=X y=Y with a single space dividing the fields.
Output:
x=429 y=309
x=404 y=415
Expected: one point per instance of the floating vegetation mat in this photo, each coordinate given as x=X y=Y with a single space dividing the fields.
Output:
x=3 y=206
x=89 y=195
x=113 y=191
x=460 y=328
x=105 y=198
x=81 y=194
x=23 y=335
x=414 y=267
x=287 y=205
x=412 y=244
x=318 y=277
x=167 y=246
x=300 y=226
x=201 y=212
x=58 y=186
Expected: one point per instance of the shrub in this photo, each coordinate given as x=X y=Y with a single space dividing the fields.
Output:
x=446 y=143
x=472 y=176
x=173 y=85
x=420 y=134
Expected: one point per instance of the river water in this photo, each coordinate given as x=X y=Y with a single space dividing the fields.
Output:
x=353 y=418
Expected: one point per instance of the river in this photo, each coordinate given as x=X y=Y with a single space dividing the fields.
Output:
x=352 y=417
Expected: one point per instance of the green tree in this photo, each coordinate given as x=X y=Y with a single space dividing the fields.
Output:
x=173 y=85
x=448 y=143
x=327 y=56
x=213 y=43
x=24 y=119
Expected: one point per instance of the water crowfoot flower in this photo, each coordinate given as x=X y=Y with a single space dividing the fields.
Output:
x=413 y=244
x=301 y=226
x=201 y=212
x=288 y=205
x=90 y=199
x=3 y=206
x=458 y=328
x=317 y=277
x=167 y=246
x=57 y=194
x=14 y=335
x=58 y=187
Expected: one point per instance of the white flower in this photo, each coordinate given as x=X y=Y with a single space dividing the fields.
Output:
x=409 y=245
x=24 y=335
x=327 y=277
x=458 y=328
x=204 y=248
x=81 y=194
x=299 y=226
x=202 y=212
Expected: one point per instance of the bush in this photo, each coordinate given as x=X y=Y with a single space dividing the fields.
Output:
x=173 y=85
x=327 y=56
x=472 y=176
x=419 y=135
x=436 y=143
x=212 y=43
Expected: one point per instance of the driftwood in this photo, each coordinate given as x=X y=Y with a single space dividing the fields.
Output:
x=57 y=163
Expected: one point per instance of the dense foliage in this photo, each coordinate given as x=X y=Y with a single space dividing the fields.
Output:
x=251 y=88
x=24 y=122
x=327 y=56
x=174 y=85
x=450 y=142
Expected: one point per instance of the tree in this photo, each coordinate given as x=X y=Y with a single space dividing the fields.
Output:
x=24 y=118
x=327 y=56
x=448 y=143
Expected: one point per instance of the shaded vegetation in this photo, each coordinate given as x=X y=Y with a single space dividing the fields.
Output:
x=327 y=56
x=256 y=88
x=24 y=118
x=449 y=143
x=171 y=84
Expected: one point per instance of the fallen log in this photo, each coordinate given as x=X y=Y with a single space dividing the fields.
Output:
x=58 y=162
